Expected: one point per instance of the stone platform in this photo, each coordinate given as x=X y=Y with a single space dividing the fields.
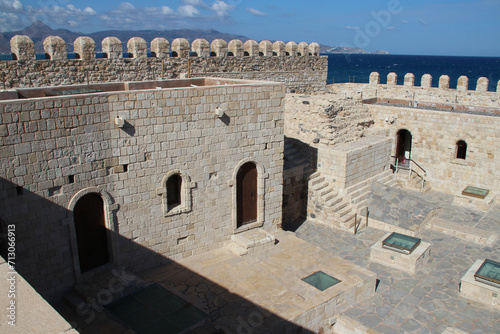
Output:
x=405 y=262
x=398 y=210
x=478 y=291
x=268 y=284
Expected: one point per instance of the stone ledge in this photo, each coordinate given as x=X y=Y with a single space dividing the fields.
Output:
x=464 y=232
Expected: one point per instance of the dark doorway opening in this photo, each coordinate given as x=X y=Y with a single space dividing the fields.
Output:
x=91 y=232
x=246 y=196
x=403 y=147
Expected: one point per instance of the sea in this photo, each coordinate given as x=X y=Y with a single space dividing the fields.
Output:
x=357 y=68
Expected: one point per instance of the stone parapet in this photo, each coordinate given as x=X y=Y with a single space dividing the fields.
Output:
x=179 y=59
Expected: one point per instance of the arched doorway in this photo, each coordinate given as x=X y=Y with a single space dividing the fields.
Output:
x=91 y=232
x=246 y=195
x=403 y=147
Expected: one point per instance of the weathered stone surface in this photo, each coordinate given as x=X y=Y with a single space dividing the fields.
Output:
x=84 y=48
x=22 y=47
x=112 y=48
x=201 y=47
x=137 y=47
x=55 y=48
x=251 y=48
x=409 y=80
x=219 y=48
x=160 y=48
x=180 y=48
x=235 y=48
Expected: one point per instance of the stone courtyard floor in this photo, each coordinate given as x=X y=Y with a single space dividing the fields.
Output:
x=427 y=301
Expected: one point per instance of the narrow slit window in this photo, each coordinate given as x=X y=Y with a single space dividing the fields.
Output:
x=461 y=149
x=174 y=184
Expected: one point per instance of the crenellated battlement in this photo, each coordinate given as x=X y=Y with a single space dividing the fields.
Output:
x=299 y=66
x=426 y=82
x=22 y=48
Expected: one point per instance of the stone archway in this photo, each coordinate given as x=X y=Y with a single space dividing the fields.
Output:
x=403 y=147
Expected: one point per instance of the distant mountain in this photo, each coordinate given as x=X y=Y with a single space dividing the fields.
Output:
x=38 y=31
x=343 y=49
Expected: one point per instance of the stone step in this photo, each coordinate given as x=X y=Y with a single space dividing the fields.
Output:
x=326 y=192
x=360 y=191
x=317 y=180
x=318 y=186
x=346 y=211
x=251 y=241
x=361 y=197
x=339 y=205
x=237 y=249
x=464 y=232
x=298 y=161
x=289 y=150
x=331 y=195
x=314 y=175
x=333 y=201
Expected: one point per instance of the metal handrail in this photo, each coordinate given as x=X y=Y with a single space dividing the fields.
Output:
x=412 y=170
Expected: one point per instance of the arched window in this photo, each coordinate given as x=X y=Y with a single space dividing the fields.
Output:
x=461 y=149
x=175 y=190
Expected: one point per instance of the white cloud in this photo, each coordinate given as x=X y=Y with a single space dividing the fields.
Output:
x=166 y=10
x=222 y=8
x=188 y=11
x=125 y=7
x=255 y=12
x=10 y=5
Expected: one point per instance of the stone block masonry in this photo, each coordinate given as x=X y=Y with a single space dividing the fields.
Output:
x=54 y=150
x=302 y=69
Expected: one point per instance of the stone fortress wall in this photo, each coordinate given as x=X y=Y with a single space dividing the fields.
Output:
x=299 y=66
x=55 y=150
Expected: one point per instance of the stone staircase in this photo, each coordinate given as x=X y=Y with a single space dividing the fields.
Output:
x=293 y=158
x=92 y=294
x=413 y=182
x=344 y=209
x=327 y=205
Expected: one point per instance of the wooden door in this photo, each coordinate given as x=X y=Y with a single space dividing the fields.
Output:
x=247 y=194
x=91 y=232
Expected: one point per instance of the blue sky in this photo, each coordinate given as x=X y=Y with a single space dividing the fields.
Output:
x=439 y=27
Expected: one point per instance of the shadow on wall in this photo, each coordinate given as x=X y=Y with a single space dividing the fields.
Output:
x=44 y=257
x=300 y=162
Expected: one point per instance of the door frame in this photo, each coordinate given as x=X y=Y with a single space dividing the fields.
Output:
x=111 y=229
x=233 y=183
x=403 y=142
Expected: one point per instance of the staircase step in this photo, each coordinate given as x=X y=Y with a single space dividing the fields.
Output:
x=361 y=197
x=237 y=249
x=290 y=150
x=328 y=191
x=345 y=212
x=319 y=186
x=334 y=201
x=339 y=206
x=314 y=175
x=331 y=195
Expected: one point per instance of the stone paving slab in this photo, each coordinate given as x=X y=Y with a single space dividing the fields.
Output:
x=425 y=302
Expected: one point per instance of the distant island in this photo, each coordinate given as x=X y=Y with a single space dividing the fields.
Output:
x=38 y=31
